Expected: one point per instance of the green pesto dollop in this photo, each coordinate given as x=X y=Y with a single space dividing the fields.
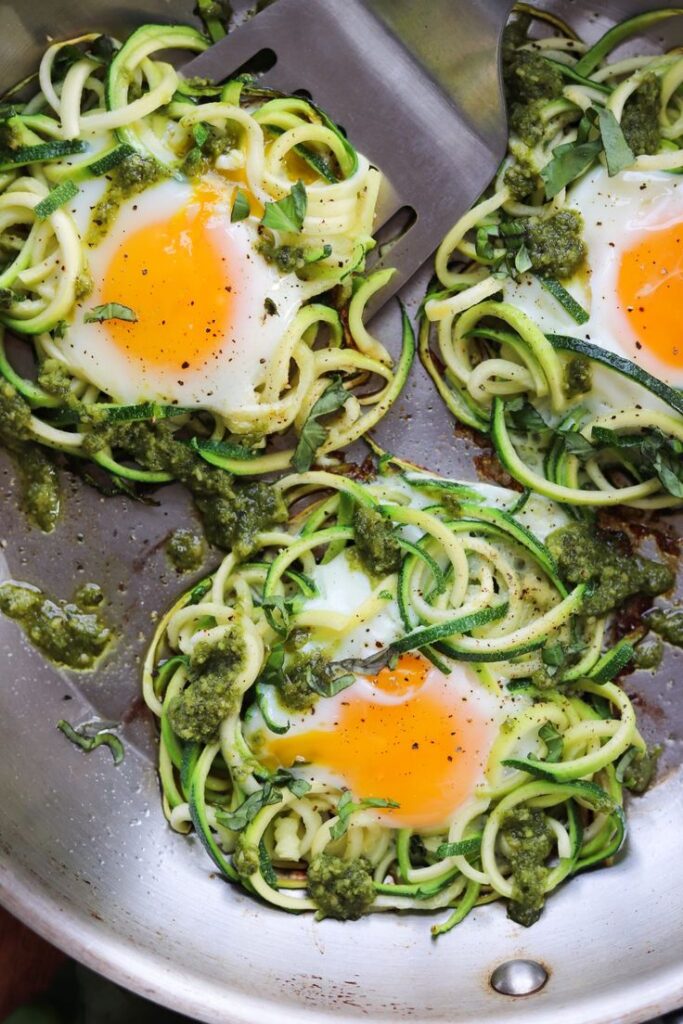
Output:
x=201 y=158
x=300 y=675
x=89 y=595
x=529 y=76
x=40 y=491
x=521 y=177
x=578 y=376
x=67 y=632
x=555 y=245
x=667 y=623
x=641 y=770
x=130 y=177
x=232 y=513
x=586 y=554
x=15 y=413
x=212 y=671
x=528 y=843
x=640 y=117
x=38 y=480
x=54 y=378
x=376 y=543
x=185 y=549
x=342 y=889
x=649 y=653
x=287 y=258
x=525 y=121
x=530 y=82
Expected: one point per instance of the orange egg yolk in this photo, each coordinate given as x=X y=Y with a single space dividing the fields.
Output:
x=650 y=288
x=426 y=752
x=175 y=275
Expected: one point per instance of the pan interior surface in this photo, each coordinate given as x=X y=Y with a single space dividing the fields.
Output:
x=86 y=857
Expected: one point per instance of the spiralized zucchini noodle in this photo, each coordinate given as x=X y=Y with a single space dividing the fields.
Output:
x=118 y=112
x=601 y=418
x=466 y=586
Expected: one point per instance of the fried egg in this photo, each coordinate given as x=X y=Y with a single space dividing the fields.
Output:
x=210 y=311
x=410 y=734
x=632 y=283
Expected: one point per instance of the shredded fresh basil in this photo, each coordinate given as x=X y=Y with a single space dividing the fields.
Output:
x=618 y=153
x=110 y=311
x=569 y=162
x=287 y=214
x=348 y=806
x=240 y=207
x=314 y=433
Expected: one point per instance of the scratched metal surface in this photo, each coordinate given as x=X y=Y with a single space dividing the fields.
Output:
x=86 y=857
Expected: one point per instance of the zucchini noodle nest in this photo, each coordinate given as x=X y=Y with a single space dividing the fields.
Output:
x=567 y=417
x=454 y=582
x=119 y=114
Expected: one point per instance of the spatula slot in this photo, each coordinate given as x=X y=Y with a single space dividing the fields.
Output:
x=394 y=229
x=262 y=61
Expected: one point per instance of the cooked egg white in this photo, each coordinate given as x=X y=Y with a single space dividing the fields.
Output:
x=210 y=310
x=632 y=284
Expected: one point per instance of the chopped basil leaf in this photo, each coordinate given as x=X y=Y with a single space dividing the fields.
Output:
x=576 y=444
x=522 y=260
x=286 y=606
x=313 y=433
x=332 y=687
x=653 y=450
x=569 y=162
x=282 y=778
x=348 y=806
x=266 y=865
x=553 y=742
x=553 y=654
x=287 y=214
x=369 y=666
x=483 y=245
x=240 y=207
x=110 y=311
x=524 y=417
x=618 y=153
x=238 y=819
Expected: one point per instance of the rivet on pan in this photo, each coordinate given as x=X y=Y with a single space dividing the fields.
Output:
x=519 y=977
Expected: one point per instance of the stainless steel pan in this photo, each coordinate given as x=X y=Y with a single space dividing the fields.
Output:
x=86 y=857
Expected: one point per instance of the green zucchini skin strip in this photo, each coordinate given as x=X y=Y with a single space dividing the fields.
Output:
x=565 y=343
x=619 y=34
x=43 y=153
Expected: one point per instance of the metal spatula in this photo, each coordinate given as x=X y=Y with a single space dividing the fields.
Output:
x=414 y=84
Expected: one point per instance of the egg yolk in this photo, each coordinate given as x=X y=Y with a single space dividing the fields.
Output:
x=650 y=288
x=175 y=275
x=427 y=752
